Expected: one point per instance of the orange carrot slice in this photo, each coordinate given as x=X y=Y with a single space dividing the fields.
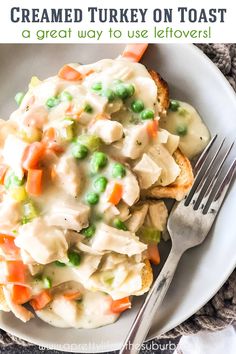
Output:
x=32 y=155
x=121 y=305
x=70 y=74
x=15 y=272
x=7 y=244
x=134 y=52
x=34 y=182
x=41 y=300
x=20 y=294
x=152 y=128
x=153 y=253
x=116 y=194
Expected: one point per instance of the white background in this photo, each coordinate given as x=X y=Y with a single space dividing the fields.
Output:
x=221 y=32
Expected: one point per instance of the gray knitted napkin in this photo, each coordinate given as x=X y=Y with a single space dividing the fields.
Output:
x=220 y=311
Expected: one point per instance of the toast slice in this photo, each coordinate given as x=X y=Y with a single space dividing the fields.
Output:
x=147 y=278
x=180 y=187
x=162 y=92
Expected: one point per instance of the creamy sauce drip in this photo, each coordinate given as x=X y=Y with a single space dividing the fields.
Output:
x=197 y=135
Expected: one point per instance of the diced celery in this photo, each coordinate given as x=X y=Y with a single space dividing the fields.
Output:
x=67 y=133
x=47 y=282
x=92 y=142
x=29 y=212
x=12 y=180
x=66 y=96
x=67 y=130
x=30 y=134
x=19 y=98
x=149 y=234
x=19 y=193
x=34 y=82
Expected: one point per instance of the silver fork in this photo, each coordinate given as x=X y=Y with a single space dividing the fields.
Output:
x=189 y=223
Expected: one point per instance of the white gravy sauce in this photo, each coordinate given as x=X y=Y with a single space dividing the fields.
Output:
x=197 y=135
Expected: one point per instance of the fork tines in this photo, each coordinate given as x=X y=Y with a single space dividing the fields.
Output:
x=214 y=170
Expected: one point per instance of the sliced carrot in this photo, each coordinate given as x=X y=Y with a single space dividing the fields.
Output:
x=32 y=155
x=34 y=182
x=118 y=306
x=3 y=171
x=152 y=128
x=72 y=295
x=116 y=194
x=7 y=244
x=134 y=52
x=20 y=294
x=15 y=272
x=70 y=74
x=41 y=300
x=153 y=254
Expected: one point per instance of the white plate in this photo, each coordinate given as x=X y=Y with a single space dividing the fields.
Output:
x=202 y=271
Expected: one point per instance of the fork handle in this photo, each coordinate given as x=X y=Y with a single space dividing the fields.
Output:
x=147 y=312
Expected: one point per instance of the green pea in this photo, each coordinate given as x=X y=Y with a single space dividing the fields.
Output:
x=97 y=86
x=98 y=161
x=131 y=90
x=47 y=282
x=59 y=264
x=88 y=108
x=109 y=94
x=79 y=151
x=118 y=170
x=147 y=114
x=66 y=96
x=121 y=91
x=52 y=102
x=19 y=98
x=29 y=212
x=137 y=106
x=182 y=130
x=92 y=198
x=89 y=231
x=74 y=259
x=12 y=181
x=100 y=184
x=118 y=224
x=174 y=105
